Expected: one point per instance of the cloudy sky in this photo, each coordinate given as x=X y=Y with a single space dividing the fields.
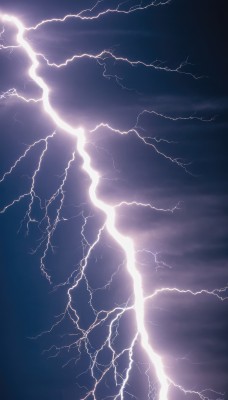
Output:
x=186 y=249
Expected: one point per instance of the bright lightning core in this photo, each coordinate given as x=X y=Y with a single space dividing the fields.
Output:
x=110 y=361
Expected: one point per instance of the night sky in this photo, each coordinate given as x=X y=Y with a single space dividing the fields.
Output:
x=189 y=332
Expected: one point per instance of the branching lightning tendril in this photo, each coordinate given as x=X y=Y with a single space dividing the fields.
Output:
x=136 y=305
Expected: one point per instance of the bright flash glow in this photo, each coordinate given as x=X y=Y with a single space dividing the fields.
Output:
x=124 y=242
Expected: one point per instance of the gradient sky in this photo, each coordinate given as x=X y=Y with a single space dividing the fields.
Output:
x=190 y=333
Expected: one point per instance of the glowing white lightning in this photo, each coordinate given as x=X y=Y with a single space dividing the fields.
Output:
x=117 y=10
x=124 y=242
x=105 y=54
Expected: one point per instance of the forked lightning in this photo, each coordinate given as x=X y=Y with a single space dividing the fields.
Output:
x=125 y=243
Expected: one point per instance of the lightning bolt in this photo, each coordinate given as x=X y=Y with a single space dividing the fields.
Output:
x=135 y=305
x=93 y=13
